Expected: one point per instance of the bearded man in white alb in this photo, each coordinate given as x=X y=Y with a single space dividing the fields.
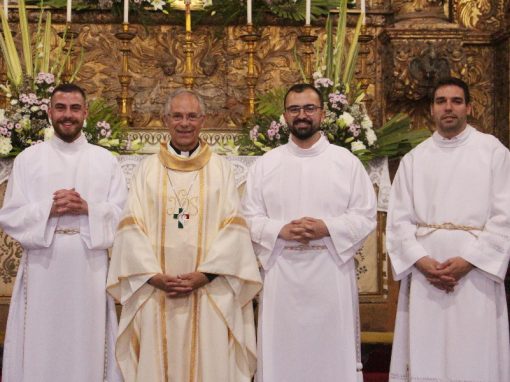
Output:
x=448 y=237
x=182 y=263
x=63 y=203
x=309 y=206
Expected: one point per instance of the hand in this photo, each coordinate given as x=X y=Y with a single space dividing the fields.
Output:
x=169 y=285
x=314 y=229
x=455 y=268
x=193 y=280
x=303 y=230
x=293 y=231
x=68 y=202
x=431 y=269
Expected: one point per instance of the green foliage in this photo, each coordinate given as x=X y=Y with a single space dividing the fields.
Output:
x=270 y=104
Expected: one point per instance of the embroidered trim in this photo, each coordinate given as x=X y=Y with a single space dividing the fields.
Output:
x=450 y=227
x=67 y=231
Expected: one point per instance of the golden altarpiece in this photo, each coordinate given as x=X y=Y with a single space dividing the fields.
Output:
x=404 y=47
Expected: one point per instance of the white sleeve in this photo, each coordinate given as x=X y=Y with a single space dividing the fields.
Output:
x=98 y=228
x=350 y=229
x=27 y=222
x=492 y=249
x=403 y=248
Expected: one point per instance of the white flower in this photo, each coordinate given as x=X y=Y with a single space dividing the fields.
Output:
x=2 y=115
x=34 y=108
x=48 y=133
x=366 y=122
x=283 y=122
x=5 y=145
x=357 y=145
x=371 y=137
x=347 y=118
x=157 y=4
x=14 y=102
x=316 y=75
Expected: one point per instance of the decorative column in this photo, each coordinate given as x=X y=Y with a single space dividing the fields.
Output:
x=125 y=102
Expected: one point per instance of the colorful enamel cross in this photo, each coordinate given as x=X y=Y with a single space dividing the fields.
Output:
x=180 y=216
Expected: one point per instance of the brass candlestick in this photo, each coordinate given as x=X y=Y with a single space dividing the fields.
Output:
x=364 y=51
x=188 y=50
x=251 y=38
x=70 y=37
x=125 y=102
x=308 y=39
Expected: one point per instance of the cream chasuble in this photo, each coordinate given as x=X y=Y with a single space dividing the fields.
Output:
x=308 y=318
x=61 y=321
x=463 y=335
x=181 y=217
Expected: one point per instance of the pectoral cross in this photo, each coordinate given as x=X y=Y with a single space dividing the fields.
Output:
x=180 y=216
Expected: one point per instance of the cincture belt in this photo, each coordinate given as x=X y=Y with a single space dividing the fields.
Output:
x=304 y=247
x=449 y=227
x=67 y=231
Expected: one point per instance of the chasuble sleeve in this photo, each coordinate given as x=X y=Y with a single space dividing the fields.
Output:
x=133 y=255
x=98 y=228
x=27 y=221
x=263 y=229
x=350 y=229
x=491 y=251
x=403 y=248
x=231 y=253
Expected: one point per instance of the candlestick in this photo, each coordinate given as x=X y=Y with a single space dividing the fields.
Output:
x=125 y=102
x=251 y=38
x=308 y=39
x=363 y=12
x=188 y=16
x=70 y=36
x=308 y=12
x=126 y=11
x=249 y=12
x=68 y=16
x=188 y=77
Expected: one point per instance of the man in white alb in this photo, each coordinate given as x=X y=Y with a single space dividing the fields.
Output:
x=63 y=203
x=309 y=206
x=448 y=237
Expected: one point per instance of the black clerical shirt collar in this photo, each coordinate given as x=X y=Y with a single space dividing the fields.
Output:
x=185 y=153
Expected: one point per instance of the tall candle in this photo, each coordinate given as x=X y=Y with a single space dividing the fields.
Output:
x=6 y=8
x=363 y=11
x=126 y=11
x=68 y=18
x=188 y=16
x=248 y=10
x=308 y=11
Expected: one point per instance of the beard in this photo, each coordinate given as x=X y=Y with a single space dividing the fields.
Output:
x=67 y=134
x=303 y=133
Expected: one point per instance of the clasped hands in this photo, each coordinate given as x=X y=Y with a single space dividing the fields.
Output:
x=180 y=285
x=303 y=230
x=444 y=276
x=68 y=202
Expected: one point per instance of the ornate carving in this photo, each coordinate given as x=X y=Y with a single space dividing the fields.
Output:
x=479 y=14
x=437 y=10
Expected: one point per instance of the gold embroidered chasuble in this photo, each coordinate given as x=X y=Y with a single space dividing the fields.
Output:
x=209 y=335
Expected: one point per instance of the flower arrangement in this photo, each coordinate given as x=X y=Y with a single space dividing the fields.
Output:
x=24 y=121
x=346 y=122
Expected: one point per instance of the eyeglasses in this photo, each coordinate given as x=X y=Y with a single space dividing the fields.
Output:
x=192 y=117
x=308 y=109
